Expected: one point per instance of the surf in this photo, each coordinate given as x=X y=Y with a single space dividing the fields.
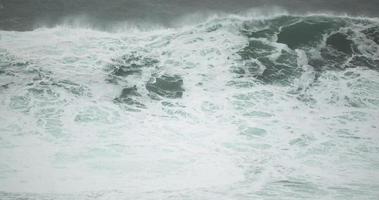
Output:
x=249 y=106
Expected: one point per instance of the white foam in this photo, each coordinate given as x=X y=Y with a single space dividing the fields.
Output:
x=220 y=141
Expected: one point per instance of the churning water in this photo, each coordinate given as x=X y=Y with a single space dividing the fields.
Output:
x=234 y=107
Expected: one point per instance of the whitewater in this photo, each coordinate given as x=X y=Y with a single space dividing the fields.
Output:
x=232 y=107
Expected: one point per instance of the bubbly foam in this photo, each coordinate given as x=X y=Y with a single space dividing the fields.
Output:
x=229 y=135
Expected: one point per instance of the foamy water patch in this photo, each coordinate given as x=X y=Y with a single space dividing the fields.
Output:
x=198 y=129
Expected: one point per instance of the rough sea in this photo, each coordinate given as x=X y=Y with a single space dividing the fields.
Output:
x=189 y=100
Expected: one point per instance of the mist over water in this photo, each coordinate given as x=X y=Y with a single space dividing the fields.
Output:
x=102 y=14
x=189 y=99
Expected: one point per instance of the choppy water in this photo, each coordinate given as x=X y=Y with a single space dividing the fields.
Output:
x=234 y=107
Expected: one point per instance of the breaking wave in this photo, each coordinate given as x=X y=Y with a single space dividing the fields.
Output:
x=235 y=107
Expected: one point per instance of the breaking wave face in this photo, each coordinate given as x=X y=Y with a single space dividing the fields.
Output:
x=235 y=107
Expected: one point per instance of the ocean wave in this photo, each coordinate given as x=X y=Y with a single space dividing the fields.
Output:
x=230 y=107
